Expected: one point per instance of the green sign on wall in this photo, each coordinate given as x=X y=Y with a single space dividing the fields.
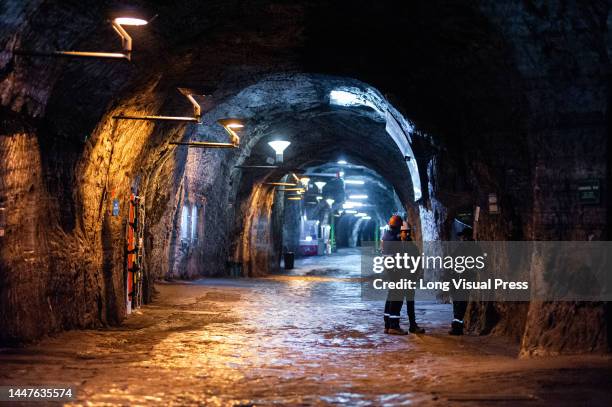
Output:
x=589 y=192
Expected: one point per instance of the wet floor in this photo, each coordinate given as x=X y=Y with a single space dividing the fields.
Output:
x=302 y=338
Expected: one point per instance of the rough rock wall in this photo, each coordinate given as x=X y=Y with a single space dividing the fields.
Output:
x=562 y=51
x=256 y=251
x=559 y=138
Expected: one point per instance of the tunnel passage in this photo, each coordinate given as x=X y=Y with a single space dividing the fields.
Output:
x=492 y=101
x=321 y=126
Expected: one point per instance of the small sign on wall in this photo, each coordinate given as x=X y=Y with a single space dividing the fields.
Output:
x=589 y=192
x=493 y=204
x=115 y=207
x=2 y=221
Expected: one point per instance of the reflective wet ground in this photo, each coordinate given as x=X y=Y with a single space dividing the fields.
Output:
x=303 y=338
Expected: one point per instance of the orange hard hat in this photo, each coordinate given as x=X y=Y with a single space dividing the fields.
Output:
x=395 y=221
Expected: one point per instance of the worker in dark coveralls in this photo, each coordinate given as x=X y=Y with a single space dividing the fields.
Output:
x=412 y=250
x=460 y=296
x=392 y=245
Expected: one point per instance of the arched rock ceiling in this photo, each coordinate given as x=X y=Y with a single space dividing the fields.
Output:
x=296 y=108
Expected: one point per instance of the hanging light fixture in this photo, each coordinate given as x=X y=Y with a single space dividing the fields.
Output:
x=279 y=147
x=319 y=197
x=188 y=93
x=320 y=185
x=305 y=181
x=120 y=20
x=231 y=126
x=330 y=202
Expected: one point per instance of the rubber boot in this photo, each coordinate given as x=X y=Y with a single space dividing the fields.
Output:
x=413 y=327
x=456 y=328
x=394 y=327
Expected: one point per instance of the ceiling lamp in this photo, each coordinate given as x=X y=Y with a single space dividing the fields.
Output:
x=342 y=162
x=330 y=202
x=320 y=185
x=117 y=24
x=354 y=181
x=279 y=147
x=188 y=93
x=319 y=197
x=358 y=196
x=231 y=126
x=305 y=181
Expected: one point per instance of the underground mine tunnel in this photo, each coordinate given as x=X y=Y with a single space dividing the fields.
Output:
x=192 y=193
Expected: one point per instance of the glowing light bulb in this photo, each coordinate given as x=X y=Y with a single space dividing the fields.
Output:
x=130 y=21
x=330 y=202
x=320 y=185
x=305 y=181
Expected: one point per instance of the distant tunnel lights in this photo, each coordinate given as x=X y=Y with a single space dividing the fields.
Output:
x=279 y=147
x=351 y=204
x=117 y=24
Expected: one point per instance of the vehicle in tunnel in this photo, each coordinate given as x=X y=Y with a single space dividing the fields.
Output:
x=234 y=226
